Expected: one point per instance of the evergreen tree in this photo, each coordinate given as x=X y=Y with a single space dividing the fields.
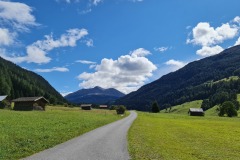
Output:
x=155 y=107
x=205 y=104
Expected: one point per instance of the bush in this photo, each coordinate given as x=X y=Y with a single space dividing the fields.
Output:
x=155 y=107
x=228 y=108
x=113 y=108
x=121 y=110
x=5 y=104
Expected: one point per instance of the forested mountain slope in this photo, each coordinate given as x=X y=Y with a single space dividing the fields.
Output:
x=186 y=84
x=18 y=82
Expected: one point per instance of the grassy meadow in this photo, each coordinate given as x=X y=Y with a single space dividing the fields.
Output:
x=183 y=108
x=171 y=136
x=25 y=133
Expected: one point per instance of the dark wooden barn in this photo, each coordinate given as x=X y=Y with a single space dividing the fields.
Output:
x=196 y=112
x=29 y=103
x=86 y=106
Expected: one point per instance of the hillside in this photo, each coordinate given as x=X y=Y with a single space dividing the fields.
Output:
x=18 y=82
x=185 y=84
x=96 y=95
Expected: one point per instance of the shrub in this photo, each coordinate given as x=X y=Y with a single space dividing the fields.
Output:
x=228 y=108
x=120 y=110
x=5 y=104
x=113 y=108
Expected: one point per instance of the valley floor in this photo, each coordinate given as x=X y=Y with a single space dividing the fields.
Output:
x=174 y=136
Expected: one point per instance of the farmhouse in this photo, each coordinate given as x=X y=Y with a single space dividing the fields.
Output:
x=86 y=106
x=29 y=103
x=103 y=107
x=196 y=112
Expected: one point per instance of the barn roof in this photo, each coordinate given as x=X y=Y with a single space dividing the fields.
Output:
x=196 y=110
x=29 y=99
x=86 y=105
x=3 y=97
x=103 y=106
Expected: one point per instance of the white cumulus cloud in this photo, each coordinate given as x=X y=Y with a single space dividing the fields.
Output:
x=209 y=51
x=6 y=38
x=205 y=35
x=37 y=52
x=209 y=37
x=237 y=42
x=54 y=69
x=175 y=63
x=85 y=62
x=127 y=73
x=141 y=52
x=237 y=19
x=17 y=15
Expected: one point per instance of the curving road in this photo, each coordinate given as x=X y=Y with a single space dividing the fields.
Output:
x=105 y=143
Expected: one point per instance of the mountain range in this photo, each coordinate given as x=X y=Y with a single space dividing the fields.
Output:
x=188 y=83
x=96 y=95
x=196 y=81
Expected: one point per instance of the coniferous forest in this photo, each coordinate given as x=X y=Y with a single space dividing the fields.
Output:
x=18 y=82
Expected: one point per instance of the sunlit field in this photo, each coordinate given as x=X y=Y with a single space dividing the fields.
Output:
x=25 y=133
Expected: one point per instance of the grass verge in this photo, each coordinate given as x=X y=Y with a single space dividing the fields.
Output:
x=181 y=137
x=25 y=133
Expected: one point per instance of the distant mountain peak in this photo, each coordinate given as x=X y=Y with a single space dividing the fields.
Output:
x=97 y=87
x=96 y=95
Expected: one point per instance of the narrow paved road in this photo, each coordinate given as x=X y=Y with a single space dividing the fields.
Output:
x=105 y=143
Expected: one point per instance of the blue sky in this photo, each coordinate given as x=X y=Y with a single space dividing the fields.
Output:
x=121 y=44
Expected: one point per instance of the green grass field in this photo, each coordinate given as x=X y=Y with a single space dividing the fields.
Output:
x=25 y=133
x=183 y=108
x=177 y=136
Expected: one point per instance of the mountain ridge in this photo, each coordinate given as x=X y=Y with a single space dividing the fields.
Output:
x=16 y=82
x=96 y=95
x=170 y=88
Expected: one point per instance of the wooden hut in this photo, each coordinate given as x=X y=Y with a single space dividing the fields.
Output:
x=86 y=106
x=29 y=103
x=103 y=107
x=196 y=112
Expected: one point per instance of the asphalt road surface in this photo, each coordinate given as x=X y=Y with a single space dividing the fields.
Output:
x=105 y=143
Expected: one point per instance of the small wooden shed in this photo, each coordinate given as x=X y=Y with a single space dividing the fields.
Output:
x=196 y=112
x=103 y=107
x=86 y=106
x=29 y=103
